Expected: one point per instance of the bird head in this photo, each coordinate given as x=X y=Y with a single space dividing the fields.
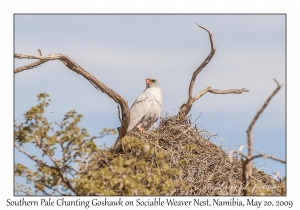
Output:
x=152 y=82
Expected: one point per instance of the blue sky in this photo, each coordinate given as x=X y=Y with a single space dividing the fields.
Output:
x=123 y=50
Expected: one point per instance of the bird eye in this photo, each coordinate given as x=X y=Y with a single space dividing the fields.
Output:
x=153 y=80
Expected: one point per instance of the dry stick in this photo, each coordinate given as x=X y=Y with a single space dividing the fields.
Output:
x=248 y=163
x=78 y=69
x=176 y=137
x=218 y=91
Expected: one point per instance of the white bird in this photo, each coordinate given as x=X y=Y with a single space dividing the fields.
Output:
x=146 y=109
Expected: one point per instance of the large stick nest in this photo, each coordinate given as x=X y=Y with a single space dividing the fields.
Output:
x=206 y=166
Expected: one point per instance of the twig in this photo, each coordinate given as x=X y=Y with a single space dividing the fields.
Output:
x=62 y=176
x=40 y=52
x=176 y=137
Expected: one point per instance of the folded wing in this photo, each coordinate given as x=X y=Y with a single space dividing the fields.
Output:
x=139 y=109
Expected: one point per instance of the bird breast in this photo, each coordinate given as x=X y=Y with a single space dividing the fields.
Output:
x=156 y=93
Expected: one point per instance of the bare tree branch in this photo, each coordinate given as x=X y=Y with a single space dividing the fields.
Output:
x=260 y=154
x=30 y=66
x=186 y=107
x=230 y=155
x=249 y=131
x=268 y=156
x=247 y=162
x=203 y=64
x=62 y=176
x=253 y=157
x=78 y=69
x=218 y=91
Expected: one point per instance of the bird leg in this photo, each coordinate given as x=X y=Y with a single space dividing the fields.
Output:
x=141 y=130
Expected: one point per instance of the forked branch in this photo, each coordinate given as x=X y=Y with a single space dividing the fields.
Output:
x=93 y=80
x=186 y=107
x=247 y=159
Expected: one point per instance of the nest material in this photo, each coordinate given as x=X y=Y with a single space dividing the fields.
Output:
x=205 y=166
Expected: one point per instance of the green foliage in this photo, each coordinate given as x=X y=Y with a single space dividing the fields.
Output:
x=70 y=162
x=147 y=173
x=68 y=149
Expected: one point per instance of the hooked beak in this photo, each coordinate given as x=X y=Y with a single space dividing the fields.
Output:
x=149 y=82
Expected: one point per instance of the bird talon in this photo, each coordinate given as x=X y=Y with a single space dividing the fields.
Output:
x=141 y=130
